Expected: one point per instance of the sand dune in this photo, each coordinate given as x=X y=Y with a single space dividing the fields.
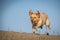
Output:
x=5 y=35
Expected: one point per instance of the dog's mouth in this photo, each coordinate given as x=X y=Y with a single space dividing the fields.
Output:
x=34 y=24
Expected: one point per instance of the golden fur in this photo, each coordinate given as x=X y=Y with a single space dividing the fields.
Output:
x=38 y=20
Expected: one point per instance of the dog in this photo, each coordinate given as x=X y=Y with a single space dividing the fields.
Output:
x=38 y=20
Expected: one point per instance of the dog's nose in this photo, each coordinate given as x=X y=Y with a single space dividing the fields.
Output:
x=35 y=21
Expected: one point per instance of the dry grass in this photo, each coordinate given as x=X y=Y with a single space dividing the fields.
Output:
x=4 y=35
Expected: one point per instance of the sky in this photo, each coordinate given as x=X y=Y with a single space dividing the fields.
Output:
x=14 y=15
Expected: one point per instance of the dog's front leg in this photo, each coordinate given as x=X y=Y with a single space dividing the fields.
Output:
x=33 y=29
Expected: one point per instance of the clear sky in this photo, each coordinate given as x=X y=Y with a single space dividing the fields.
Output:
x=15 y=15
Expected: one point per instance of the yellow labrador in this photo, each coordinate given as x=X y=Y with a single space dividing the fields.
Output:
x=38 y=20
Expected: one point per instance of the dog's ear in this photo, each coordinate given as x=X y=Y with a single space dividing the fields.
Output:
x=38 y=14
x=30 y=12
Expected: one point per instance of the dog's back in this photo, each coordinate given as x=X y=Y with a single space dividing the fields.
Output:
x=43 y=20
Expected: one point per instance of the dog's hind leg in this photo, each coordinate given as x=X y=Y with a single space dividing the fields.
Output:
x=47 y=23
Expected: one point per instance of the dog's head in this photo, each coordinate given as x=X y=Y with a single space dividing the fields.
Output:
x=34 y=16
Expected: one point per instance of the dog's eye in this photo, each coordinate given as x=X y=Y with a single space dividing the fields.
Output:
x=30 y=17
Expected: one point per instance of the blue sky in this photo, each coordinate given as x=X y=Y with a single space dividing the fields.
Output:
x=15 y=15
